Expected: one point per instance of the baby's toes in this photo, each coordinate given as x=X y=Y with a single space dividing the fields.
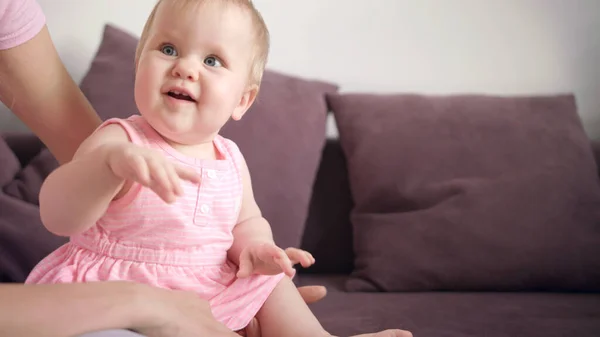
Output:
x=393 y=333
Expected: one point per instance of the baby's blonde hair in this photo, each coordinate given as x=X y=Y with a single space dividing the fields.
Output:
x=261 y=33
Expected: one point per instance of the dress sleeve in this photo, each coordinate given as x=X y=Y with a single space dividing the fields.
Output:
x=20 y=21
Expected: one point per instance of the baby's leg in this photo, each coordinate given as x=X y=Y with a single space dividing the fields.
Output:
x=285 y=314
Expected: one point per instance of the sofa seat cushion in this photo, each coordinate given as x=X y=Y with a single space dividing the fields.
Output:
x=456 y=314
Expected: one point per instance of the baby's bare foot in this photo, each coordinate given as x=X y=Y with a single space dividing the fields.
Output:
x=388 y=333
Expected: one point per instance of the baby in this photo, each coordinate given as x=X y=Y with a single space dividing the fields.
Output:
x=162 y=198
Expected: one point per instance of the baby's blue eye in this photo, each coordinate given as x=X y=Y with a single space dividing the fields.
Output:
x=168 y=50
x=212 y=61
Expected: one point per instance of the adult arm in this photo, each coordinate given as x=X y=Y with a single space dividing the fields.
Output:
x=64 y=309
x=36 y=87
x=57 y=310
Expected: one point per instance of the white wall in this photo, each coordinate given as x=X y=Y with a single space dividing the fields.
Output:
x=428 y=46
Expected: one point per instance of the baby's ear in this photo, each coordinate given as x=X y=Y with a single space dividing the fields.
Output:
x=246 y=101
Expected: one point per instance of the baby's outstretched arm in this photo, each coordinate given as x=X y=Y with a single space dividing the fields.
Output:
x=75 y=195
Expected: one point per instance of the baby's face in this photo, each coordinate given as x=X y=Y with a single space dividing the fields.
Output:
x=192 y=74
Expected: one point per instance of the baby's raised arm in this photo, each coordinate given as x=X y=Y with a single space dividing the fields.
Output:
x=105 y=167
x=75 y=195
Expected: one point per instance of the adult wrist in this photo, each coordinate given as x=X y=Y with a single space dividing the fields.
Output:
x=144 y=312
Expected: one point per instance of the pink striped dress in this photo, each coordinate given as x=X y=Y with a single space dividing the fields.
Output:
x=176 y=246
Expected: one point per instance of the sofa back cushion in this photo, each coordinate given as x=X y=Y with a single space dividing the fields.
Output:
x=23 y=239
x=470 y=192
x=328 y=232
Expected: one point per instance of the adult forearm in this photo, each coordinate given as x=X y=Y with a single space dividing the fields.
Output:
x=252 y=230
x=35 y=85
x=60 y=310
x=74 y=196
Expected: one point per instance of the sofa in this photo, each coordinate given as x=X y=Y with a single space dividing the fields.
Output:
x=445 y=215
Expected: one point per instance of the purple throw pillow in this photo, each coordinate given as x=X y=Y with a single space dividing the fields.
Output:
x=9 y=163
x=470 y=192
x=281 y=136
x=24 y=241
x=108 y=83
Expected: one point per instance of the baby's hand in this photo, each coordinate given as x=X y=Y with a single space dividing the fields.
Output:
x=151 y=169
x=268 y=259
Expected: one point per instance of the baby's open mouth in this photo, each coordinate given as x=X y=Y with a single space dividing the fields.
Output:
x=180 y=95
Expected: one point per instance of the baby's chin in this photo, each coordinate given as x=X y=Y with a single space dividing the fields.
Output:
x=179 y=130
x=184 y=137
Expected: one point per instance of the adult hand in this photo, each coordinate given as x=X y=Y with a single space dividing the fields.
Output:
x=312 y=294
x=173 y=313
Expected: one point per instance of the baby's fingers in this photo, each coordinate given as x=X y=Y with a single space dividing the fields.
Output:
x=160 y=181
x=300 y=256
x=139 y=170
x=187 y=173
x=174 y=179
x=282 y=260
